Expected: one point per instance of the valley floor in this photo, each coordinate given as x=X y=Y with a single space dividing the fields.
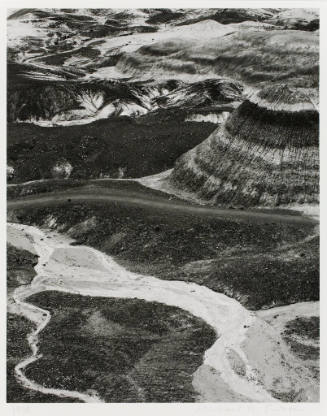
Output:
x=217 y=268
x=228 y=372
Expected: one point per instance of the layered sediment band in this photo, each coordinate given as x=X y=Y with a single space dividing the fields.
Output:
x=264 y=154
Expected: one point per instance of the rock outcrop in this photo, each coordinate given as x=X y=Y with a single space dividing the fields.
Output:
x=266 y=153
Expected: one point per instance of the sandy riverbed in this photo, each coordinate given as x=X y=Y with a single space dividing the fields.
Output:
x=231 y=370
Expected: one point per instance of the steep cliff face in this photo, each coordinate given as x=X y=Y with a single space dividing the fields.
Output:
x=266 y=153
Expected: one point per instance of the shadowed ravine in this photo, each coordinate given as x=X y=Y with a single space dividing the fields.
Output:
x=64 y=268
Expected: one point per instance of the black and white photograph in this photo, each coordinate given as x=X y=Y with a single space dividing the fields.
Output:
x=162 y=224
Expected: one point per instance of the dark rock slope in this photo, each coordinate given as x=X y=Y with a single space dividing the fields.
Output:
x=265 y=154
x=57 y=101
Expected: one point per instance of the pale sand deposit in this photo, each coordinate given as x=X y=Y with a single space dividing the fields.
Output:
x=231 y=370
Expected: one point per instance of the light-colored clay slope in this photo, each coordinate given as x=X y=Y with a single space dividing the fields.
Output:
x=296 y=18
x=189 y=44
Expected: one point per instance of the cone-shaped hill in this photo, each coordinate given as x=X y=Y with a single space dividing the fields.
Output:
x=266 y=153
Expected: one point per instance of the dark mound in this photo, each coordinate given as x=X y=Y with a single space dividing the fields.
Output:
x=265 y=154
x=114 y=148
x=127 y=350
